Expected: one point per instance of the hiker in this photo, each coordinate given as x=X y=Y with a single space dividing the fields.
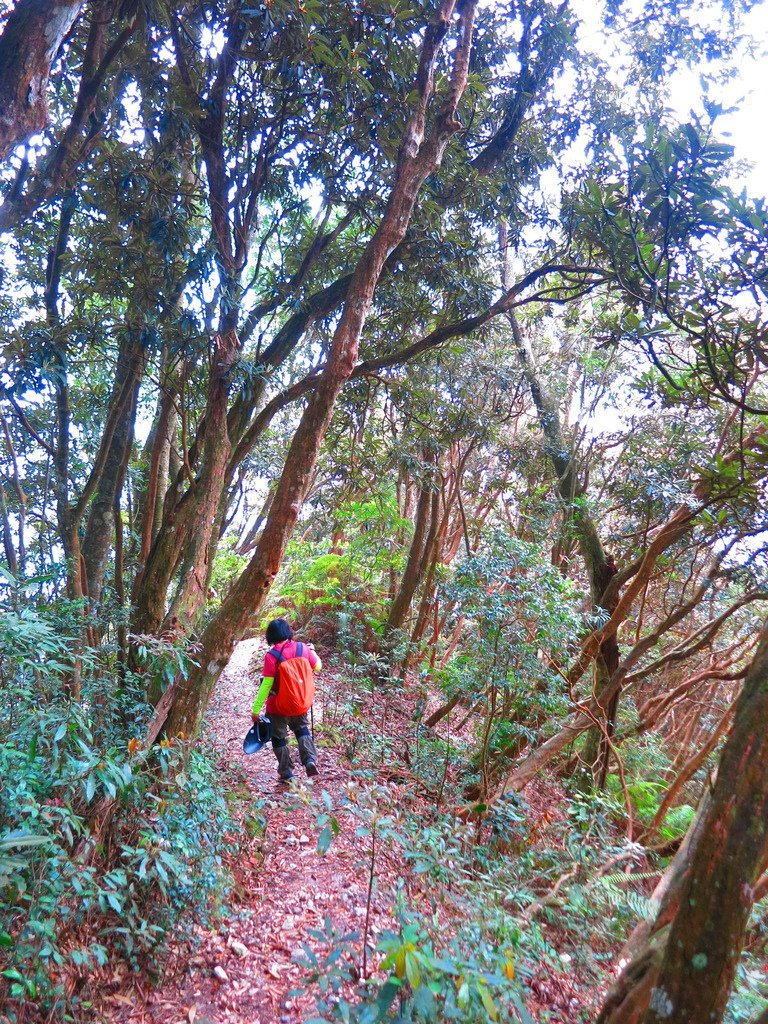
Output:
x=295 y=698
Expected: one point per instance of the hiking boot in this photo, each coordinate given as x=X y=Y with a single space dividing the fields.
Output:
x=284 y=780
x=311 y=769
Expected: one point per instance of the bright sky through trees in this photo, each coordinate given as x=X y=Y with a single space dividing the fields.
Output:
x=747 y=124
x=744 y=97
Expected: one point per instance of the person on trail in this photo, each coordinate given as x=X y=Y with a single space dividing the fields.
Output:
x=288 y=696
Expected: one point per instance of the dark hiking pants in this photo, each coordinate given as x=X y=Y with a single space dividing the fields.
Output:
x=300 y=728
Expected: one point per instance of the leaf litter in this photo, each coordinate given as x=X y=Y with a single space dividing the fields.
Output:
x=285 y=891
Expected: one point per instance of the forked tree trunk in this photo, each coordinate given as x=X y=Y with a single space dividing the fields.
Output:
x=207 y=491
x=598 y=563
x=411 y=574
x=686 y=968
x=409 y=580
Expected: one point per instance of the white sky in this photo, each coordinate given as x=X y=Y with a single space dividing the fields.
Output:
x=747 y=127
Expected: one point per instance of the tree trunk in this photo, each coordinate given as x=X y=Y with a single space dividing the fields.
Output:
x=8 y=547
x=122 y=629
x=599 y=564
x=250 y=540
x=208 y=490
x=129 y=372
x=412 y=573
x=33 y=34
x=689 y=977
x=638 y=573
x=432 y=549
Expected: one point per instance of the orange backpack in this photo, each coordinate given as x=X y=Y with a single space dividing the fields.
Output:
x=294 y=683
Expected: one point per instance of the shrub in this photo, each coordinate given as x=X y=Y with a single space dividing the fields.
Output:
x=104 y=846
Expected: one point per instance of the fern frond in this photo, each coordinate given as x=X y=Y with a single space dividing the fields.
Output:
x=620 y=876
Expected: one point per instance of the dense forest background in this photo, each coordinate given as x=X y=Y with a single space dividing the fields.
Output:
x=435 y=328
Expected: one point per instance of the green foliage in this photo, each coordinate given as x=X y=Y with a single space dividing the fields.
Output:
x=619 y=894
x=162 y=658
x=518 y=605
x=749 y=997
x=104 y=846
x=463 y=960
x=677 y=822
x=350 y=583
x=32 y=647
x=643 y=793
x=646 y=797
x=227 y=566
x=521 y=622
x=462 y=980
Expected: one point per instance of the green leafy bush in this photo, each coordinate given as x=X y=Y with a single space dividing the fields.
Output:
x=104 y=846
x=646 y=797
x=350 y=581
x=521 y=620
x=469 y=979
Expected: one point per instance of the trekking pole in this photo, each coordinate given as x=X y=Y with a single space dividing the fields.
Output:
x=312 y=720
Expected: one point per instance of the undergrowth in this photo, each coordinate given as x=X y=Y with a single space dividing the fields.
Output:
x=105 y=848
x=489 y=908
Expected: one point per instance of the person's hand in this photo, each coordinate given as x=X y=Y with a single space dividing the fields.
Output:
x=256 y=718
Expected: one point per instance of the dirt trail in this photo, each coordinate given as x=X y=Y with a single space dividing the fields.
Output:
x=284 y=887
x=243 y=970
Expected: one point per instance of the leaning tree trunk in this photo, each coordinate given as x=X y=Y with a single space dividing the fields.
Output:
x=685 y=971
x=129 y=371
x=419 y=156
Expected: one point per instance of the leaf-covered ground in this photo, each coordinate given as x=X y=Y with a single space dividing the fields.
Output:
x=243 y=969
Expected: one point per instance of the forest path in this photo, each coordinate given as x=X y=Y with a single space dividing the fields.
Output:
x=284 y=886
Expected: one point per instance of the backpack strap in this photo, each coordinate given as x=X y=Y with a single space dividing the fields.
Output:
x=279 y=659
x=299 y=650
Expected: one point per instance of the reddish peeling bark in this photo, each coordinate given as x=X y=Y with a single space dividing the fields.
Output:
x=33 y=34
x=634 y=578
x=419 y=155
x=203 y=509
x=80 y=134
x=185 y=536
x=707 y=935
x=245 y=427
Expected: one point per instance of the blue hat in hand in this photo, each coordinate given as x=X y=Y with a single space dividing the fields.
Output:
x=259 y=734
